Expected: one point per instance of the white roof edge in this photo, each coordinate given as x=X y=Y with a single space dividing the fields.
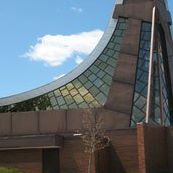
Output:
x=70 y=76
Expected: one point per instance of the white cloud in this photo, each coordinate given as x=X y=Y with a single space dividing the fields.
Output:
x=59 y=76
x=76 y=9
x=78 y=60
x=54 y=50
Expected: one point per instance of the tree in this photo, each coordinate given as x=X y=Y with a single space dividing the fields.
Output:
x=93 y=134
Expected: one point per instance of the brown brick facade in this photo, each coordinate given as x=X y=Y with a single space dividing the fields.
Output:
x=143 y=150
x=29 y=161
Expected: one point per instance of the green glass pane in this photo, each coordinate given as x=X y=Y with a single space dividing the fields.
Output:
x=88 y=73
x=69 y=100
x=78 y=98
x=94 y=104
x=88 y=98
x=83 y=91
x=101 y=98
x=110 y=52
x=57 y=92
x=118 y=32
x=73 y=92
x=83 y=79
x=98 y=82
x=102 y=65
x=112 y=62
x=74 y=105
x=53 y=101
x=103 y=58
x=105 y=88
x=64 y=107
x=97 y=62
x=112 y=38
x=64 y=92
x=122 y=26
x=60 y=100
x=92 y=77
x=83 y=105
x=70 y=86
x=117 y=39
x=88 y=85
x=94 y=69
x=107 y=78
x=62 y=88
x=101 y=73
x=110 y=70
x=117 y=47
x=77 y=83
x=111 y=45
x=94 y=90
x=50 y=94
x=105 y=51
x=116 y=55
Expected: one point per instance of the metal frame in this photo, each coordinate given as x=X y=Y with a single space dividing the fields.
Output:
x=160 y=88
x=150 y=66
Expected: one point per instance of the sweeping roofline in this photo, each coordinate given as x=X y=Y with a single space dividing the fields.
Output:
x=70 y=76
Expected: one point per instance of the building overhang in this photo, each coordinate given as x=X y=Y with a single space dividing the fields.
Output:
x=31 y=142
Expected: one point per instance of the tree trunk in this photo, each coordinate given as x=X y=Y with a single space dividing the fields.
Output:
x=90 y=162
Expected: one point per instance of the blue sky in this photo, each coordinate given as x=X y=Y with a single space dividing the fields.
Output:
x=31 y=28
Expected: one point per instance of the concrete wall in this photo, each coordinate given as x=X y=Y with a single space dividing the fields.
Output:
x=58 y=121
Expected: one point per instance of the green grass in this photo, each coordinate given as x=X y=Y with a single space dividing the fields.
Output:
x=9 y=170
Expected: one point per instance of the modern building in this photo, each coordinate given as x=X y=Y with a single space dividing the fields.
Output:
x=127 y=80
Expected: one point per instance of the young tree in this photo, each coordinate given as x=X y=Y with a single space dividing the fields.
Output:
x=93 y=134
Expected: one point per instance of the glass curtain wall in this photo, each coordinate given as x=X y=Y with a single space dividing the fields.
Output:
x=160 y=113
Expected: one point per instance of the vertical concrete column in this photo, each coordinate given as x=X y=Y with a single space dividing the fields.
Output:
x=121 y=92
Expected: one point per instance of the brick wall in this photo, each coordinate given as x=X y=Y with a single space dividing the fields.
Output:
x=152 y=149
x=123 y=151
x=120 y=157
x=149 y=149
x=170 y=147
x=28 y=161
x=73 y=159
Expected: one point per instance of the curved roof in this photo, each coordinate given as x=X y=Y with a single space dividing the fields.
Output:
x=70 y=76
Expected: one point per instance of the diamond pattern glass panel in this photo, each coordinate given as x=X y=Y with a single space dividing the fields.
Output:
x=140 y=95
x=159 y=89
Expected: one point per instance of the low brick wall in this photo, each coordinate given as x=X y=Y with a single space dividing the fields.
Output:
x=169 y=136
x=152 y=149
